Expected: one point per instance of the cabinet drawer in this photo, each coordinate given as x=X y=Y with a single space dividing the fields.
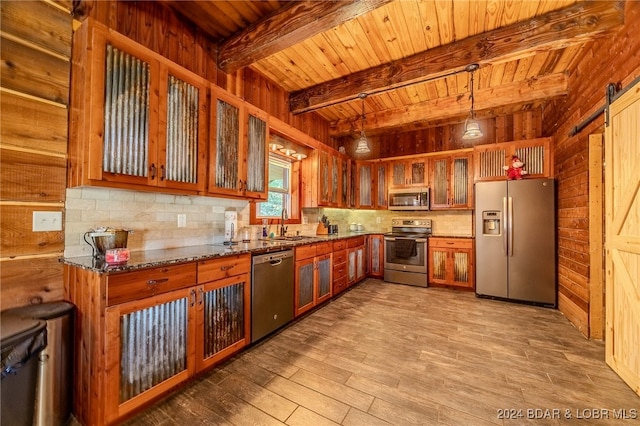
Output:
x=339 y=285
x=149 y=282
x=457 y=243
x=339 y=257
x=339 y=245
x=324 y=248
x=339 y=271
x=224 y=267
x=305 y=252
x=355 y=242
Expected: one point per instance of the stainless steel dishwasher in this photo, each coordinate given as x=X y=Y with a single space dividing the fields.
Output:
x=271 y=292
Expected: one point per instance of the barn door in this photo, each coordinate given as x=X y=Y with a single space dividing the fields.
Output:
x=622 y=238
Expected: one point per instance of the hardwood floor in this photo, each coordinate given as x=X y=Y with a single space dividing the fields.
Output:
x=393 y=354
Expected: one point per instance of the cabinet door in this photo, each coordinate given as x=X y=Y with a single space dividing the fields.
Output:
x=351 y=266
x=345 y=183
x=461 y=270
x=324 y=172
x=255 y=184
x=376 y=252
x=324 y=275
x=360 y=263
x=398 y=174
x=335 y=181
x=438 y=265
x=461 y=184
x=381 y=186
x=181 y=164
x=365 y=185
x=227 y=152
x=440 y=183
x=149 y=349
x=304 y=282
x=418 y=172
x=131 y=92
x=222 y=318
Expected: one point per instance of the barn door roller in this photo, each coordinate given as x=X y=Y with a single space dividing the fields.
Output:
x=612 y=93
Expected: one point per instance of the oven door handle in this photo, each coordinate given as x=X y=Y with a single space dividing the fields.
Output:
x=421 y=240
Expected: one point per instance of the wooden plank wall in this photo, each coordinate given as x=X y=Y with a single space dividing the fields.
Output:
x=614 y=59
x=520 y=126
x=161 y=30
x=34 y=88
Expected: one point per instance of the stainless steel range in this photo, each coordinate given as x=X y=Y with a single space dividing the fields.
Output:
x=405 y=251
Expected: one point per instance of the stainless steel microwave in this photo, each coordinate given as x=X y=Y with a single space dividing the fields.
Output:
x=409 y=199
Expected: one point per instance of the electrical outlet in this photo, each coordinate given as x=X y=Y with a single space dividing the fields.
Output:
x=378 y=219
x=182 y=220
x=47 y=221
x=305 y=220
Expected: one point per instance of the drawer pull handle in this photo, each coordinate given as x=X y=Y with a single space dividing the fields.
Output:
x=450 y=242
x=226 y=267
x=156 y=282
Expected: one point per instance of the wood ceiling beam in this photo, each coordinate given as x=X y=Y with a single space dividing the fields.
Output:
x=297 y=22
x=518 y=93
x=559 y=29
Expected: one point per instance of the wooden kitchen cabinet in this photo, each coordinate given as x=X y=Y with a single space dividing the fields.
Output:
x=339 y=260
x=451 y=181
x=365 y=185
x=313 y=276
x=238 y=155
x=345 y=182
x=408 y=173
x=381 y=190
x=138 y=120
x=451 y=262
x=356 y=268
x=376 y=256
x=323 y=179
x=143 y=332
x=536 y=154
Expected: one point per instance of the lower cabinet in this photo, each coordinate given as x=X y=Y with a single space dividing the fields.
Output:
x=339 y=266
x=313 y=276
x=355 y=260
x=376 y=256
x=451 y=262
x=157 y=328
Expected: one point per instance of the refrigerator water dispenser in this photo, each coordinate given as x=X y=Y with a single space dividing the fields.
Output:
x=491 y=222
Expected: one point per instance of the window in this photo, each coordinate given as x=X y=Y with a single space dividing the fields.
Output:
x=279 y=196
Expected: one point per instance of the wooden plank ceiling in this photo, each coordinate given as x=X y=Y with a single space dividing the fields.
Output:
x=408 y=56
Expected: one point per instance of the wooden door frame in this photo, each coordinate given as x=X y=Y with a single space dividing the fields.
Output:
x=596 y=238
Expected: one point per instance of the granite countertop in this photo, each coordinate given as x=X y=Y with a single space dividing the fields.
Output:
x=154 y=258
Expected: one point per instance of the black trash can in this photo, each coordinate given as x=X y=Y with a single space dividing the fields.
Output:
x=54 y=387
x=21 y=340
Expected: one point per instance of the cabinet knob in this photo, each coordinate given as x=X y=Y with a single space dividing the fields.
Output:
x=162 y=175
x=153 y=171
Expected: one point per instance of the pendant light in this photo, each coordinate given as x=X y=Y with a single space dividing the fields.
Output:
x=471 y=126
x=363 y=145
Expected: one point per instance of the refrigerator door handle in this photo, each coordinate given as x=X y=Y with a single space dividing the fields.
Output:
x=504 y=227
x=510 y=226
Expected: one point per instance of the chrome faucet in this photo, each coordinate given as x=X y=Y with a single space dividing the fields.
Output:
x=283 y=217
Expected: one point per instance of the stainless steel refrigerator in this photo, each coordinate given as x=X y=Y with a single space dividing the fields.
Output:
x=515 y=240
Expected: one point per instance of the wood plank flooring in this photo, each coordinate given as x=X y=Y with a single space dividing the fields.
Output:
x=392 y=354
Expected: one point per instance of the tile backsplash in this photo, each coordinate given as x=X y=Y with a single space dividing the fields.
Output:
x=154 y=219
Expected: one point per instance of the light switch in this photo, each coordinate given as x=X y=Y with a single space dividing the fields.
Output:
x=47 y=221
x=182 y=220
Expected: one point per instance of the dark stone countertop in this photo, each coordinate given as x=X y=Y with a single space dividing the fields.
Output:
x=154 y=258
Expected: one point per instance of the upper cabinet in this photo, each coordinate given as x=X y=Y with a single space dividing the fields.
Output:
x=536 y=154
x=382 y=191
x=325 y=179
x=238 y=147
x=407 y=173
x=451 y=181
x=137 y=119
x=364 y=185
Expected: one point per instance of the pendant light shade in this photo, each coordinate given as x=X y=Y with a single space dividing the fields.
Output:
x=471 y=127
x=363 y=145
